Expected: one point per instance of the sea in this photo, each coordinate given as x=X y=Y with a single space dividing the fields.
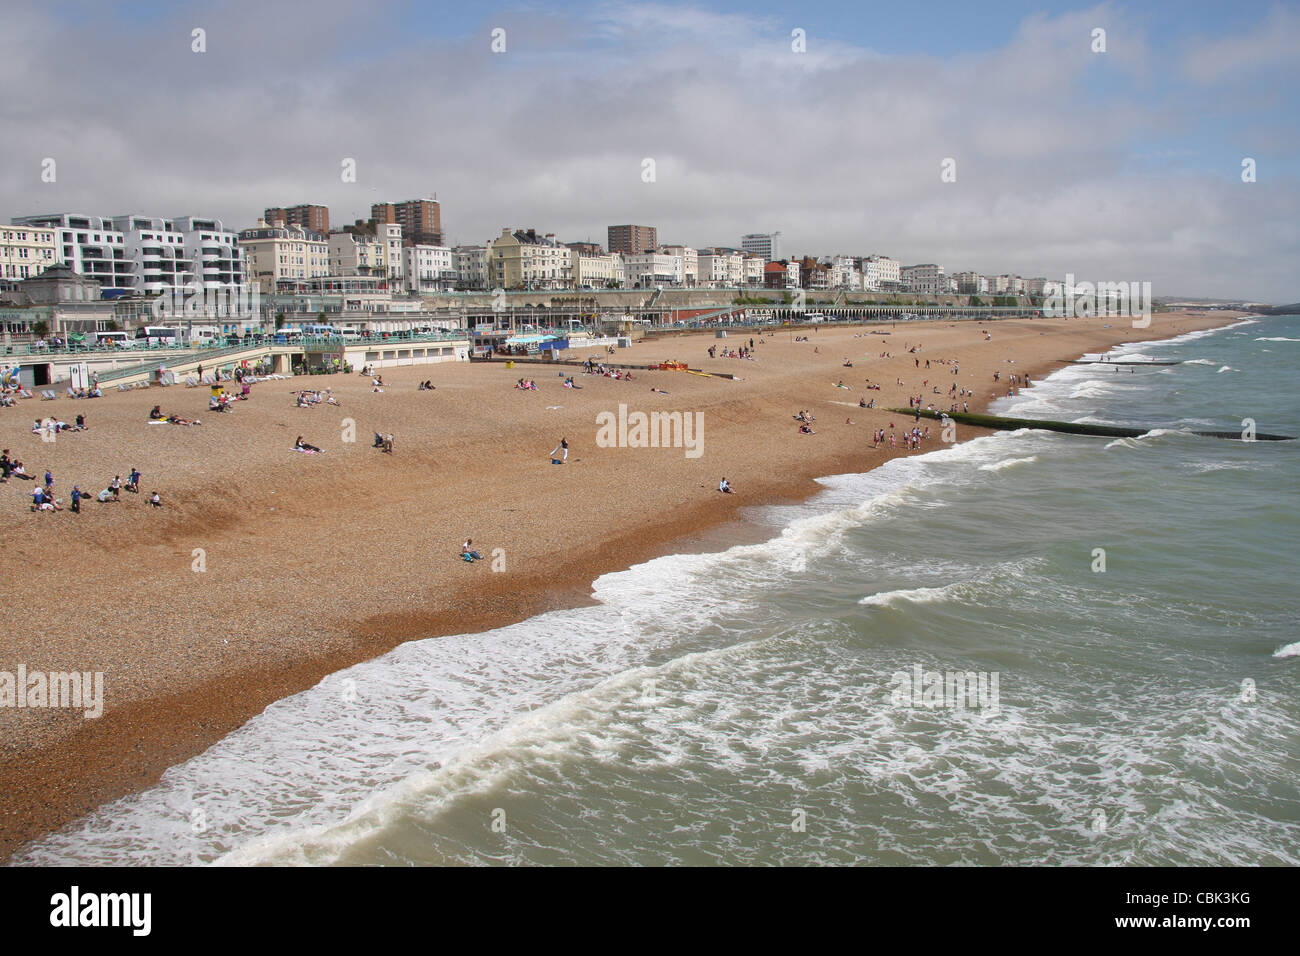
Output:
x=1027 y=648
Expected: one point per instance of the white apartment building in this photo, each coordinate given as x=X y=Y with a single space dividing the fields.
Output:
x=278 y=251
x=598 y=272
x=391 y=234
x=686 y=265
x=357 y=255
x=26 y=251
x=844 y=273
x=754 y=271
x=648 y=269
x=765 y=244
x=792 y=277
x=89 y=245
x=881 y=274
x=471 y=265
x=927 y=278
x=711 y=269
x=428 y=268
x=217 y=261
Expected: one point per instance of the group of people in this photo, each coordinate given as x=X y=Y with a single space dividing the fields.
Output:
x=56 y=426
x=526 y=384
x=426 y=386
x=912 y=437
x=591 y=367
x=309 y=397
x=44 y=500
x=156 y=415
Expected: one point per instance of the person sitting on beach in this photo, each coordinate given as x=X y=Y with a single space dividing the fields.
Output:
x=155 y=499
x=388 y=443
x=301 y=445
x=806 y=430
x=467 y=551
x=724 y=486
x=105 y=496
x=847 y=363
x=862 y=402
x=156 y=413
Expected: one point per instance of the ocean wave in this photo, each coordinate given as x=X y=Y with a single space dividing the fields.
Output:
x=1291 y=650
x=1009 y=463
x=1226 y=368
x=910 y=596
x=1198 y=362
x=1275 y=338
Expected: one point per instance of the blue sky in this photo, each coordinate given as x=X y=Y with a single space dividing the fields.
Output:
x=1122 y=165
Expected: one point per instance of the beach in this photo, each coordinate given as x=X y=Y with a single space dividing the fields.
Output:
x=267 y=570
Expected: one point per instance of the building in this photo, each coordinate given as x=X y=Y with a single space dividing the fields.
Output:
x=970 y=283
x=754 y=271
x=390 y=234
x=926 y=278
x=881 y=274
x=216 y=259
x=26 y=252
x=764 y=244
x=633 y=240
x=775 y=276
x=521 y=259
x=312 y=218
x=90 y=246
x=357 y=254
x=429 y=268
x=649 y=269
x=275 y=252
x=604 y=270
x=587 y=248
x=471 y=265
x=686 y=265
x=711 y=269
x=420 y=219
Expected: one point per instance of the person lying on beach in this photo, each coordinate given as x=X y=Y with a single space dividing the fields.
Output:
x=806 y=430
x=177 y=420
x=301 y=445
x=659 y=390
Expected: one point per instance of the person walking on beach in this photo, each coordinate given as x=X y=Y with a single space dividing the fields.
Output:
x=133 y=481
x=563 y=448
x=116 y=487
x=76 y=500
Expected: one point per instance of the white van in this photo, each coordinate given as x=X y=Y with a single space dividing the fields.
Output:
x=349 y=335
x=113 y=340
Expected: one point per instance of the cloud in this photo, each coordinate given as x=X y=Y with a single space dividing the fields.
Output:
x=1062 y=158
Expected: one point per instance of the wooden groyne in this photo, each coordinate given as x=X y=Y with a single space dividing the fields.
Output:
x=1001 y=423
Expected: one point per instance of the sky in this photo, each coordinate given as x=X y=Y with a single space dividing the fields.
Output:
x=1122 y=165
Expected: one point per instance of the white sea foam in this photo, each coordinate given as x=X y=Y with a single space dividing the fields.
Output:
x=1008 y=463
x=1290 y=650
x=1275 y=338
x=1227 y=368
x=910 y=596
x=1198 y=362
